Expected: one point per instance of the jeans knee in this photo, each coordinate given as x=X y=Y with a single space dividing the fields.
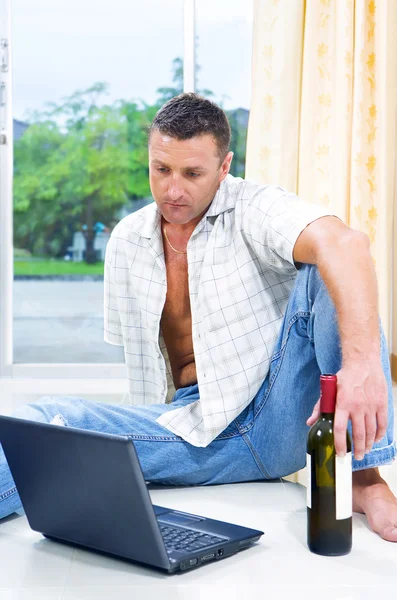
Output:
x=46 y=409
x=32 y=412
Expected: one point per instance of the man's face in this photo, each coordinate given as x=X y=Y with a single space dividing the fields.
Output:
x=185 y=175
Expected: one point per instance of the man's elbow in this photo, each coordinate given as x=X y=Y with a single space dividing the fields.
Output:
x=346 y=243
x=356 y=240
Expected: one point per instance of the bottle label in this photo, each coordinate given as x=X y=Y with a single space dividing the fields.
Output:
x=309 y=480
x=343 y=481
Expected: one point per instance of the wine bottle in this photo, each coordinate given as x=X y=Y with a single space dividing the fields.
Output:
x=329 y=481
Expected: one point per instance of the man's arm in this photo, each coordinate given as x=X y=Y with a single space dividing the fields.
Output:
x=343 y=258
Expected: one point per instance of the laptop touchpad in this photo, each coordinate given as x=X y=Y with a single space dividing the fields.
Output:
x=177 y=518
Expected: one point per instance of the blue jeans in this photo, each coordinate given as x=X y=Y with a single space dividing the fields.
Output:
x=266 y=441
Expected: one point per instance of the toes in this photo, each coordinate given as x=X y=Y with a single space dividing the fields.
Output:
x=389 y=533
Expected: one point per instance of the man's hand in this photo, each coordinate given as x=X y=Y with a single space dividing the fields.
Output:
x=361 y=397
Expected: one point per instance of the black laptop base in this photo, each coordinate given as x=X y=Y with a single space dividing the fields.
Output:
x=181 y=567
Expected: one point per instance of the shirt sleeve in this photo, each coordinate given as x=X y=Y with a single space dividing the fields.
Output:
x=112 y=325
x=273 y=221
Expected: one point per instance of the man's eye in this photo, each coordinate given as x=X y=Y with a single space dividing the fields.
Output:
x=194 y=175
x=162 y=169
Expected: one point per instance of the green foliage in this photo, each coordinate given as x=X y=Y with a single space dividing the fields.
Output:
x=138 y=120
x=65 y=178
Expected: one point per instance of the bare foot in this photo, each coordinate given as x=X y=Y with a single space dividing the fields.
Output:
x=373 y=497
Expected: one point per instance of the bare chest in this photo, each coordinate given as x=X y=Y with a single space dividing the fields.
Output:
x=177 y=304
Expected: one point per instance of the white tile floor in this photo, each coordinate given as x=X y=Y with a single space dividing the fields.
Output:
x=33 y=568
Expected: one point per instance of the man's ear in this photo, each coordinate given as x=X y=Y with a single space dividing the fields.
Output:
x=225 y=167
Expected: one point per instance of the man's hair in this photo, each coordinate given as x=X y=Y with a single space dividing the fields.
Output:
x=189 y=115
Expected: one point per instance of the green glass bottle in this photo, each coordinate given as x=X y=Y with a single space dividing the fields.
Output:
x=329 y=481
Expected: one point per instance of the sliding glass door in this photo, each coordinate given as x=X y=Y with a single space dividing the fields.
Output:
x=87 y=79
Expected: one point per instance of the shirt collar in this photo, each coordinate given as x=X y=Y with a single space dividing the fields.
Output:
x=224 y=198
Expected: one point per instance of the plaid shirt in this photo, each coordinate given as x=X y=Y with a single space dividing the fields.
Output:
x=241 y=273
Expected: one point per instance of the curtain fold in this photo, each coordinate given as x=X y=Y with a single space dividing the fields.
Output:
x=323 y=113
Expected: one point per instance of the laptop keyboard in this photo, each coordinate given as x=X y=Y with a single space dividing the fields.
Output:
x=187 y=539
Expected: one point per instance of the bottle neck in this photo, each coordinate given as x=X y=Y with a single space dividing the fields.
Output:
x=328 y=384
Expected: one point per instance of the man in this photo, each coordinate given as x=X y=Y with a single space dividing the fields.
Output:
x=226 y=291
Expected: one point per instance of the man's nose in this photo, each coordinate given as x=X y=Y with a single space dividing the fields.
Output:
x=175 y=191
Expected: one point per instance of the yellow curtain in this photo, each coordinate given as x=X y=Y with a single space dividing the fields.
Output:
x=323 y=112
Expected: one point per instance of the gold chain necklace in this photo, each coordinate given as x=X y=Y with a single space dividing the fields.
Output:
x=174 y=249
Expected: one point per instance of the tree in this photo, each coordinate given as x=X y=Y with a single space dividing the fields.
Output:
x=71 y=173
x=166 y=93
x=138 y=120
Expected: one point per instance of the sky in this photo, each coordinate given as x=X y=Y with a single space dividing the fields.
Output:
x=60 y=46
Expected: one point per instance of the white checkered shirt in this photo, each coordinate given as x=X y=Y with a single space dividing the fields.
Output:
x=241 y=272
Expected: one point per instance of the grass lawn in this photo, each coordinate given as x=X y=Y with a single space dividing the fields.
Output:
x=56 y=267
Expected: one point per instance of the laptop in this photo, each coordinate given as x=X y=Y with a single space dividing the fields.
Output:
x=87 y=489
